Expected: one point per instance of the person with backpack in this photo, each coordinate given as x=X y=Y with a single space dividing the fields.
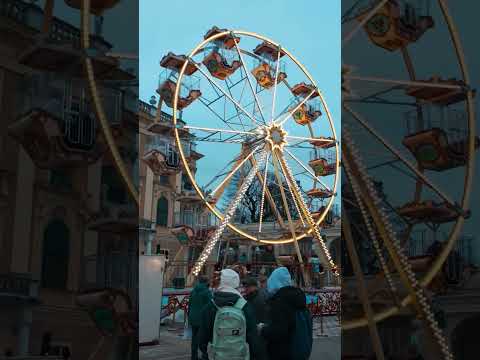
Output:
x=199 y=297
x=288 y=331
x=228 y=330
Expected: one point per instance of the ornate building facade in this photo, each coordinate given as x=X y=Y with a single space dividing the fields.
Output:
x=67 y=224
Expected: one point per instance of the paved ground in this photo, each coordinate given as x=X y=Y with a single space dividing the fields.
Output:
x=326 y=346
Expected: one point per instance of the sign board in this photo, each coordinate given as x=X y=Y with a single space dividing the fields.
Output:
x=151 y=270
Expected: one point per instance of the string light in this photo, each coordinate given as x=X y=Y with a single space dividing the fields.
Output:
x=316 y=231
x=232 y=207
x=426 y=311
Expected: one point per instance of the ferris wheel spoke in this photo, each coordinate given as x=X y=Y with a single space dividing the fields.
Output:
x=235 y=169
x=400 y=157
x=350 y=35
x=262 y=201
x=312 y=175
x=276 y=162
x=215 y=84
x=322 y=139
x=207 y=105
x=275 y=85
x=240 y=101
x=290 y=113
x=308 y=215
x=271 y=200
x=404 y=82
x=232 y=207
x=220 y=173
x=216 y=130
x=247 y=74
x=289 y=185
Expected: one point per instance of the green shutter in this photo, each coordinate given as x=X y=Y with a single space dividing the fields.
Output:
x=162 y=211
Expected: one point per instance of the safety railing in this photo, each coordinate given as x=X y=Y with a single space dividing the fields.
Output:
x=18 y=284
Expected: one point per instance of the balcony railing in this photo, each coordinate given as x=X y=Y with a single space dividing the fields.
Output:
x=31 y=15
x=152 y=111
x=172 y=157
x=195 y=220
x=119 y=271
x=69 y=101
x=111 y=209
x=145 y=224
x=17 y=284
x=14 y=9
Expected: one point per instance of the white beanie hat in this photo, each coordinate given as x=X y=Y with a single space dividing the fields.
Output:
x=229 y=281
x=229 y=278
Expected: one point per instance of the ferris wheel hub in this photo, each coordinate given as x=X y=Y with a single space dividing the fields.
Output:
x=276 y=137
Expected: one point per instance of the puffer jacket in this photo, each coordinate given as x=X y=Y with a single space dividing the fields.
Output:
x=199 y=297
x=279 y=329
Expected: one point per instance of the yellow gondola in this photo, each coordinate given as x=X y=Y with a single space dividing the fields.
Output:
x=218 y=66
x=395 y=25
x=428 y=211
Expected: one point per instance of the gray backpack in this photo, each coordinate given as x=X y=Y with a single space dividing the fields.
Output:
x=229 y=333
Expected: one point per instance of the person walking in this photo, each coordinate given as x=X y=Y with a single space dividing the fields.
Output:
x=257 y=297
x=228 y=327
x=315 y=266
x=199 y=298
x=288 y=329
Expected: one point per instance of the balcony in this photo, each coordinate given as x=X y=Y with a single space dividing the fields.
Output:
x=190 y=151
x=60 y=50
x=162 y=158
x=193 y=227
x=116 y=270
x=163 y=125
x=115 y=218
x=146 y=225
x=17 y=287
x=57 y=125
x=188 y=196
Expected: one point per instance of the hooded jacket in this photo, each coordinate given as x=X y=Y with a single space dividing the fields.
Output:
x=199 y=297
x=258 y=299
x=285 y=300
x=208 y=319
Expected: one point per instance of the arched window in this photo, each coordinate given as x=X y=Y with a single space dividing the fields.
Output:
x=162 y=211
x=55 y=255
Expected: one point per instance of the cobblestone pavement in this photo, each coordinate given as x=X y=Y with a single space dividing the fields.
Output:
x=173 y=347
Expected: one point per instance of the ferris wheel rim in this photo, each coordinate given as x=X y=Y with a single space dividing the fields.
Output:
x=199 y=192
x=453 y=236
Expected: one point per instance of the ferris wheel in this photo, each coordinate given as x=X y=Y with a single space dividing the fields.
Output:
x=427 y=138
x=266 y=131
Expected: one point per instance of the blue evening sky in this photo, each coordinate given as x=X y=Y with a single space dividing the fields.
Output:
x=309 y=30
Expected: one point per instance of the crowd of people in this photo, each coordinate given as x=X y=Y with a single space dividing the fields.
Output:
x=268 y=319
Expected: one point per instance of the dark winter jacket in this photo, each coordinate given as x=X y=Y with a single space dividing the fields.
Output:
x=199 y=297
x=221 y=299
x=279 y=329
x=258 y=299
